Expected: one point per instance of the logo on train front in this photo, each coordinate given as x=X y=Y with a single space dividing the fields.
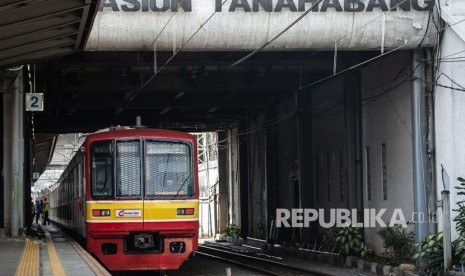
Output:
x=128 y=213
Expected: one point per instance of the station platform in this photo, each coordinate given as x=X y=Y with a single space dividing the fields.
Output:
x=46 y=252
x=52 y=253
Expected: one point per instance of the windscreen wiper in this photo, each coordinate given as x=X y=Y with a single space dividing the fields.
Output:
x=183 y=183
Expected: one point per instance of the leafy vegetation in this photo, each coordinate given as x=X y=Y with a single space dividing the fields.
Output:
x=431 y=254
x=329 y=239
x=350 y=241
x=233 y=230
x=399 y=245
x=458 y=246
x=458 y=251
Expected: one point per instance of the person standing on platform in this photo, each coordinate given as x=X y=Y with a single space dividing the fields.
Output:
x=38 y=210
x=46 y=220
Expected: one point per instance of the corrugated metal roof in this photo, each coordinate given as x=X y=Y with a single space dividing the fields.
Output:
x=32 y=30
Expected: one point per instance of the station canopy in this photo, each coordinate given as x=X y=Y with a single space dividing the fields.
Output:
x=33 y=30
x=37 y=30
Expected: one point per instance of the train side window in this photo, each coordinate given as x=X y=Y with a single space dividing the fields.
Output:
x=102 y=169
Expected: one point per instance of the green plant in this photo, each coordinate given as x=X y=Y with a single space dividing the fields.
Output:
x=431 y=254
x=349 y=241
x=399 y=245
x=460 y=218
x=233 y=230
x=329 y=239
x=458 y=246
x=458 y=251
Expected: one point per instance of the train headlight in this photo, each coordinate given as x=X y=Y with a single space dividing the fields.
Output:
x=185 y=211
x=100 y=212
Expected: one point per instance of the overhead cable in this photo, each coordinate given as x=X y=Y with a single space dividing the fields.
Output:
x=376 y=57
x=171 y=58
x=300 y=18
x=278 y=35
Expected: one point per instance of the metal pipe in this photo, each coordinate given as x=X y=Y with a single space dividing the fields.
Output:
x=418 y=145
x=430 y=144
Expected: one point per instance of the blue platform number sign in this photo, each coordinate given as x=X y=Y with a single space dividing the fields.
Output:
x=34 y=101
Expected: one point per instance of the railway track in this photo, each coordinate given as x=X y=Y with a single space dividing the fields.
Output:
x=256 y=261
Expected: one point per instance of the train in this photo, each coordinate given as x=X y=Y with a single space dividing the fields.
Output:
x=132 y=196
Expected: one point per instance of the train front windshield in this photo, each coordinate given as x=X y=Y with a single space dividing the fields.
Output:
x=136 y=168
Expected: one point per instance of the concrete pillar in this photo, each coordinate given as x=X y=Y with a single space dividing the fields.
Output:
x=8 y=89
x=13 y=154
x=446 y=231
x=305 y=157
x=243 y=182
x=352 y=101
x=270 y=177
x=17 y=157
x=223 y=175
x=256 y=148
x=233 y=181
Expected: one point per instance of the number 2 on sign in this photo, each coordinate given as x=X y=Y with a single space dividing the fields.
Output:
x=34 y=101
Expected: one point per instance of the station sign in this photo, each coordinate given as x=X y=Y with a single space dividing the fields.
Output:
x=34 y=102
x=236 y=25
x=35 y=176
x=269 y=6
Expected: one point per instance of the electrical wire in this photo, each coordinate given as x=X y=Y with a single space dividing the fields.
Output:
x=300 y=18
x=444 y=86
x=391 y=87
x=278 y=35
x=133 y=96
x=252 y=53
x=372 y=98
x=269 y=42
x=453 y=54
x=375 y=58
x=454 y=82
x=166 y=25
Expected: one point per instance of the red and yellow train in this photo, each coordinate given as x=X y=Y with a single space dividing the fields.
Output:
x=132 y=195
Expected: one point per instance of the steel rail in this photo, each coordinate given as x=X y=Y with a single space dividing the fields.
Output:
x=266 y=266
x=236 y=263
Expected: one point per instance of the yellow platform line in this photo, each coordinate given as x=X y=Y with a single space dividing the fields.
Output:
x=57 y=268
x=29 y=264
x=93 y=264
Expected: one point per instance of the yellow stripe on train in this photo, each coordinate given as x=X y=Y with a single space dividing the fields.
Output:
x=137 y=210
